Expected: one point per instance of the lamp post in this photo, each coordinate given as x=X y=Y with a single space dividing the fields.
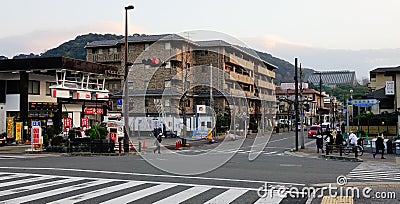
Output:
x=126 y=94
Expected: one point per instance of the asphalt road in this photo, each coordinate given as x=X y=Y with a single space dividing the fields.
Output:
x=237 y=176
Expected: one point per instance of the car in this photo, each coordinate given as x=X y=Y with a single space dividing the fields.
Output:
x=312 y=132
x=3 y=140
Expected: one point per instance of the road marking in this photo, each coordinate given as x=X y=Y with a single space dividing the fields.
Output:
x=94 y=194
x=184 y=195
x=152 y=175
x=11 y=183
x=139 y=194
x=291 y=165
x=56 y=191
x=227 y=196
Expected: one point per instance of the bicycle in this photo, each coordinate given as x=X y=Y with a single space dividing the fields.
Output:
x=359 y=148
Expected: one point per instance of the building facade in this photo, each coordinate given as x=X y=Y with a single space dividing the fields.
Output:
x=182 y=80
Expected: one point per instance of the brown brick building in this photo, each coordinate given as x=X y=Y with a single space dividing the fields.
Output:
x=242 y=82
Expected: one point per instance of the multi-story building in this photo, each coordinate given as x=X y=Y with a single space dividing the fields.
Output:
x=183 y=80
x=26 y=92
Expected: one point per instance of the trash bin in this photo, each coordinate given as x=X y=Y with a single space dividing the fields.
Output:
x=389 y=146
x=397 y=143
x=373 y=145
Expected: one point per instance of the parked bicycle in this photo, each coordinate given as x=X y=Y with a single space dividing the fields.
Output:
x=359 y=148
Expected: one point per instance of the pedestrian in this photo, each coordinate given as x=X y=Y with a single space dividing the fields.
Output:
x=328 y=139
x=352 y=140
x=380 y=147
x=157 y=142
x=320 y=142
x=339 y=138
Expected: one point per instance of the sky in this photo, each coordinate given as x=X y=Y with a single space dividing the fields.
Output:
x=356 y=35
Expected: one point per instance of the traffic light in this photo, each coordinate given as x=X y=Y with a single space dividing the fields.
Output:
x=153 y=62
x=109 y=105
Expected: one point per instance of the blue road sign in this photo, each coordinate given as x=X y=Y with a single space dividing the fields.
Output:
x=119 y=102
x=36 y=123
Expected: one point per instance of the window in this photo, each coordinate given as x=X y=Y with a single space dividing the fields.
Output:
x=167 y=84
x=131 y=48
x=167 y=102
x=130 y=85
x=146 y=46
x=48 y=90
x=188 y=103
x=34 y=87
x=167 y=46
x=12 y=87
x=112 y=50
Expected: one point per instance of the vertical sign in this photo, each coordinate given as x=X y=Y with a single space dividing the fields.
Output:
x=36 y=135
x=67 y=124
x=10 y=127
x=389 y=89
x=84 y=123
x=18 y=131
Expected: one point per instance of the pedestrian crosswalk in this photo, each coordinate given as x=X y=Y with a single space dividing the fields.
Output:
x=375 y=172
x=230 y=151
x=56 y=189
x=10 y=157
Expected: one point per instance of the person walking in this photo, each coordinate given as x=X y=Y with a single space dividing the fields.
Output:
x=319 y=142
x=157 y=142
x=353 y=140
x=380 y=147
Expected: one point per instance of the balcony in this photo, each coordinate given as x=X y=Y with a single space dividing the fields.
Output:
x=265 y=84
x=241 y=78
x=265 y=71
x=115 y=57
x=239 y=61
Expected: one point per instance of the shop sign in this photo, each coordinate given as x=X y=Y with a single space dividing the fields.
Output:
x=10 y=127
x=67 y=124
x=18 y=131
x=84 y=123
x=93 y=110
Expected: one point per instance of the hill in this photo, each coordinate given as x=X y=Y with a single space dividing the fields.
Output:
x=76 y=49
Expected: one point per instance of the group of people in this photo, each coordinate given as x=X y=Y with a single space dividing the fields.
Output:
x=335 y=138
x=330 y=137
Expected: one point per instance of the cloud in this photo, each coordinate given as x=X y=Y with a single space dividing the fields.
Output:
x=361 y=61
x=41 y=40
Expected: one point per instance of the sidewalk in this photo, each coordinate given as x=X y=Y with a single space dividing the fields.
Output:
x=310 y=150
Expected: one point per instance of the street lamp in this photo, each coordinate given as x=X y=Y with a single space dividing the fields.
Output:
x=126 y=94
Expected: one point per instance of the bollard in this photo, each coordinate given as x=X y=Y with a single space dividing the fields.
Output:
x=140 y=146
x=119 y=147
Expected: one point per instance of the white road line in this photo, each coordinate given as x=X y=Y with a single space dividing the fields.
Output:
x=21 y=181
x=96 y=193
x=184 y=195
x=268 y=199
x=36 y=186
x=139 y=194
x=153 y=175
x=55 y=192
x=12 y=176
x=266 y=153
x=227 y=196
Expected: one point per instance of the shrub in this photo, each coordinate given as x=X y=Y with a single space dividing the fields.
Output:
x=97 y=132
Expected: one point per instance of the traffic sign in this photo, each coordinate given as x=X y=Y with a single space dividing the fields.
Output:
x=36 y=123
x=364 y=102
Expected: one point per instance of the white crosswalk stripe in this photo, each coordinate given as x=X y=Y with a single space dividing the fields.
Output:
x=229 y=151
x=9 y=157
x=375 y=172
x=68 y=189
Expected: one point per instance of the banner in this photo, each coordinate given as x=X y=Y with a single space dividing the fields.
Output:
x=85 y=123
x=18 y=131
x=10 y=127
x=67 y=124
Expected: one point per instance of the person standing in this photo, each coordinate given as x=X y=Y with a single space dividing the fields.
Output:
x=380 y=147
x=319 y=142
x=353 y=140
x=157 y=142
x=329 y=140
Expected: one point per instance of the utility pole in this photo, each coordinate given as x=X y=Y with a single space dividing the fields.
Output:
x=296 y=103
x=301 y=109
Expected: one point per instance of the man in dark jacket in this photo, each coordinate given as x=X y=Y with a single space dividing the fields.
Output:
x=379 y=147
x=320 y=142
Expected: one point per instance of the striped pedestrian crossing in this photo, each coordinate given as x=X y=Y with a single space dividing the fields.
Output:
x=230 y=151
x=54 y=189
x=375 y=172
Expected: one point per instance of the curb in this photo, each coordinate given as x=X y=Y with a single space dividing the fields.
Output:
x=352 y=159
